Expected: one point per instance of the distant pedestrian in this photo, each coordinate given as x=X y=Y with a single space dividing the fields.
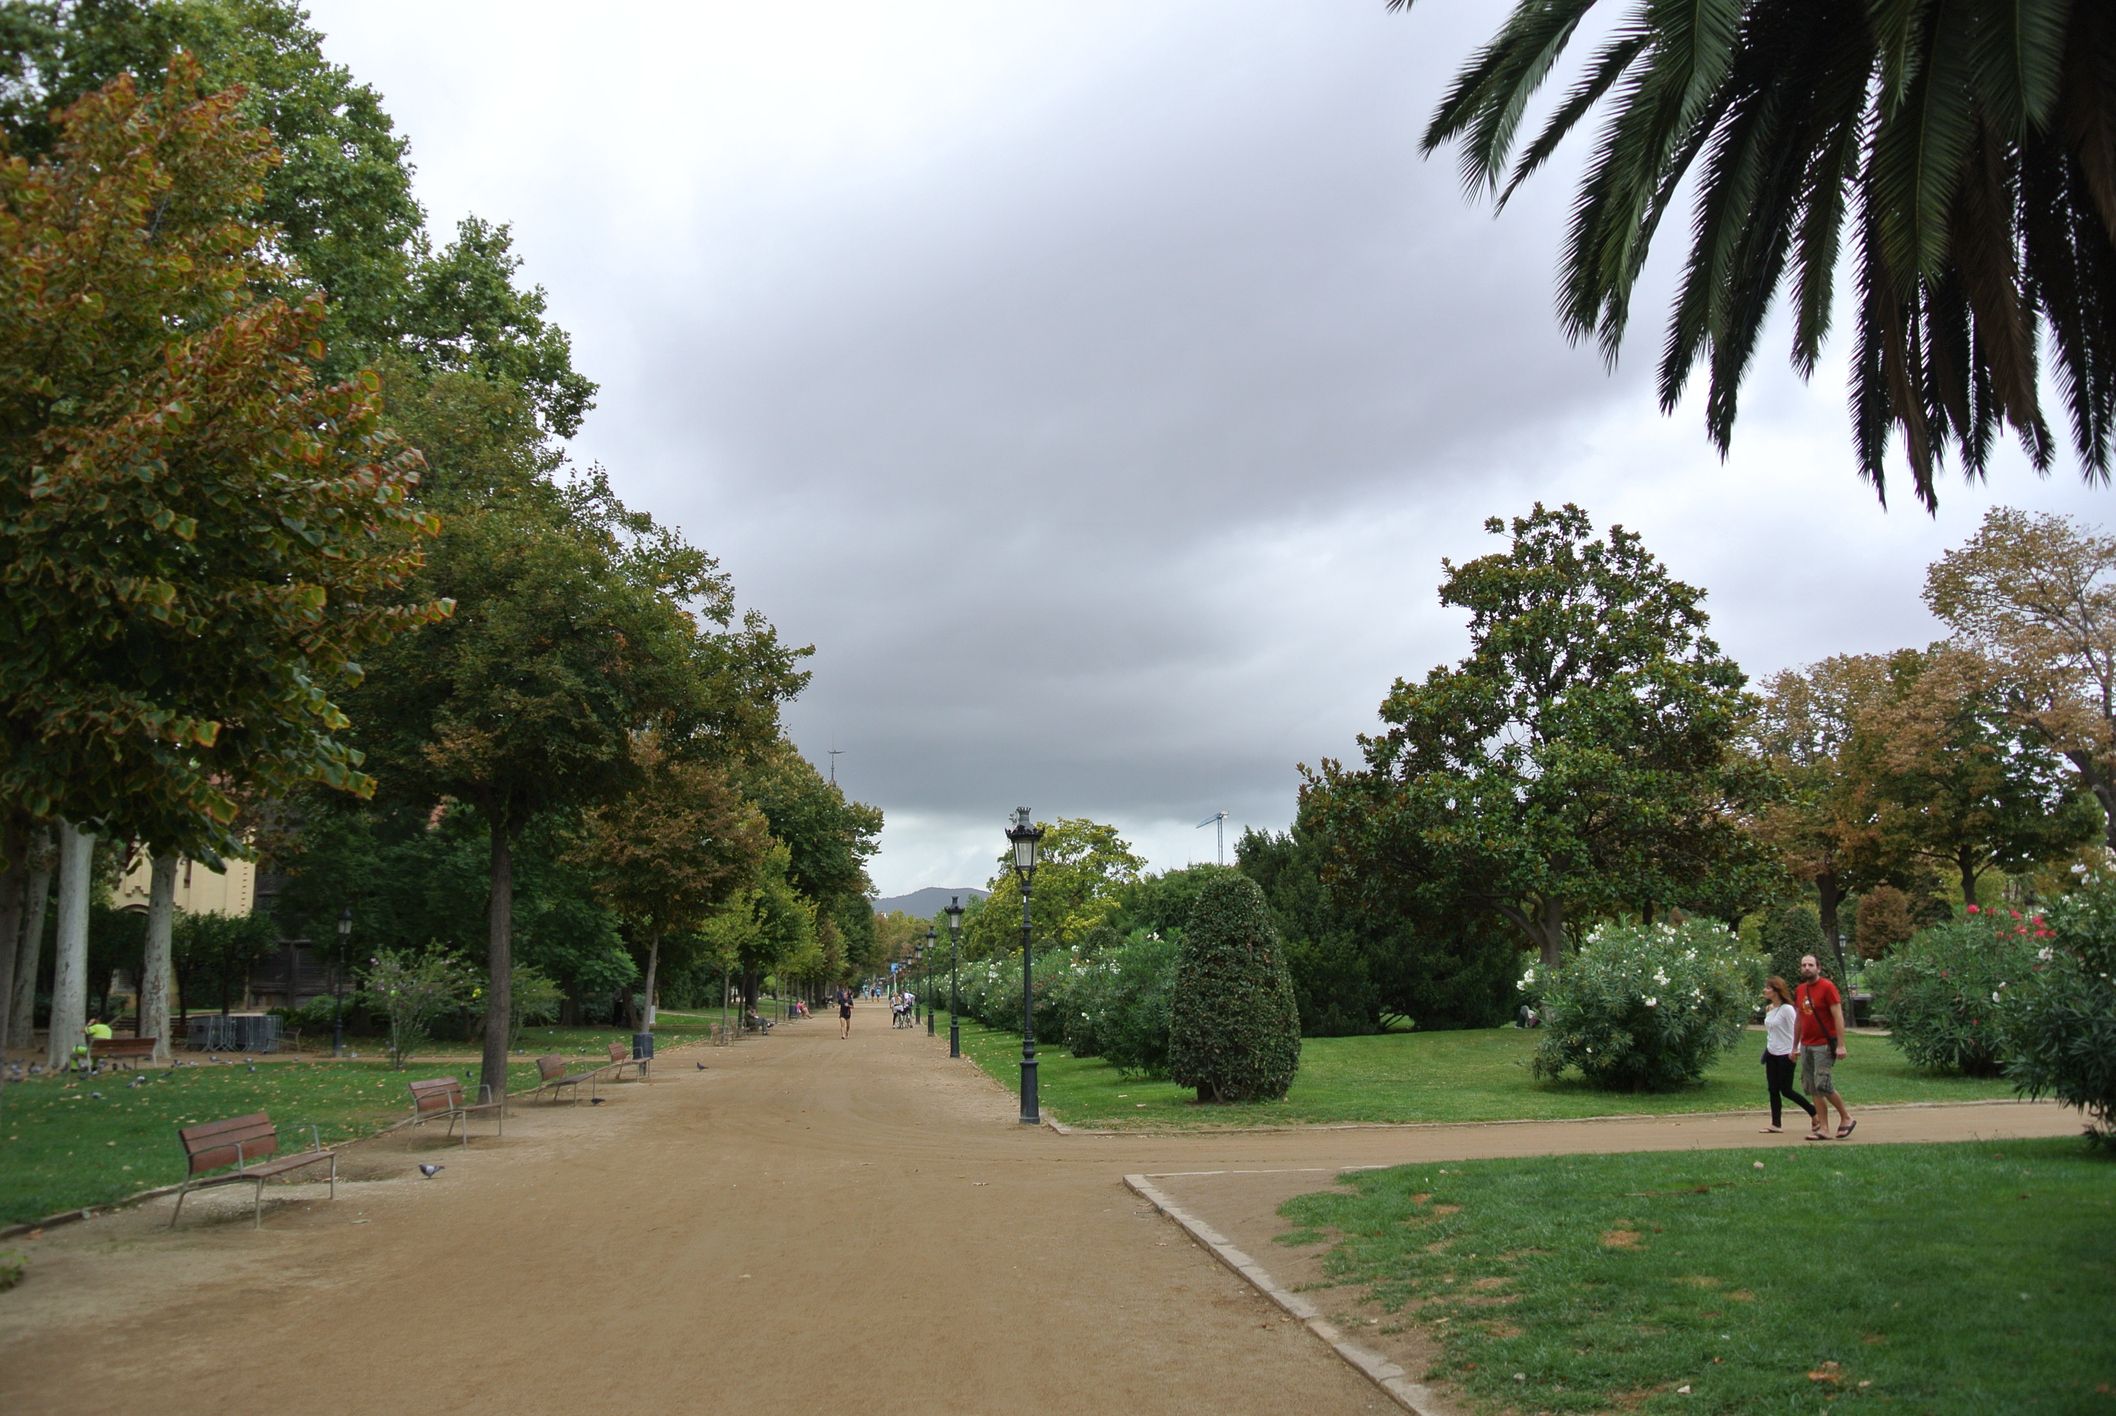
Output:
x=1821 y=1010
x=1781 y=1023
x=844 y=1012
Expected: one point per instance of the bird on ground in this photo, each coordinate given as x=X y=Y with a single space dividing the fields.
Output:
x=597 y=1100
x=211 y=1057
x=95 y=1096
x=701 y=1066
x=429 y=1171
x=253 y=1066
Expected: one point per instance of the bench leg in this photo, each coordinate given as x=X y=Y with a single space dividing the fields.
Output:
x=179 y=1205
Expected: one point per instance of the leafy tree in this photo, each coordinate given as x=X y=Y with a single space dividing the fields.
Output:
x=1575 y=764
x=671 y=850
x=1885 y=921
x=1821 y=821
x=829 y=838
x=1957 y=782
x=1327 y=957
x=1789 y=932
x=199 y=540
x=2037 y=594
x=1968 y=143
x=412 y=990
x=1233 y=1030
x=1160 y=904
x=1083 y=870
x=214 y=953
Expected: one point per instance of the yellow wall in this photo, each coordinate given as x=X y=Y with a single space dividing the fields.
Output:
x=198 y=889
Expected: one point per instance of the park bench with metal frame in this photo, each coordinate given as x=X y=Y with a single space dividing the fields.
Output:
x=553 y=1077
x=620 y=1058
x=243 y=1142
x=436 y=1098
x=120 y=1051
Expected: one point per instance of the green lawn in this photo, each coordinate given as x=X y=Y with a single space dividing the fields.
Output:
x=1973 y=1278
x=1440 y=1076
x=62 y=1146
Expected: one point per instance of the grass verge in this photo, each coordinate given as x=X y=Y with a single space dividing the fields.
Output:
x=1788 y=1279
x=1434 y=1077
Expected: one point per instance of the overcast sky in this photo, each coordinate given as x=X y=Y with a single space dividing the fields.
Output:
x=1098 y=386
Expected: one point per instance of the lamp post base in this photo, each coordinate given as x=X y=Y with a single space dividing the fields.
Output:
x=954 y=1037
x=1029 y=1116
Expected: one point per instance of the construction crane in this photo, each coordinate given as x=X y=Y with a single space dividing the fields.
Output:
x=1218 y=821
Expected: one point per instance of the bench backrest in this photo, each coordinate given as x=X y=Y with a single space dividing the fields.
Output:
x=551 y=1067
x=436 y=1094
x=620 y=1053
x=240 y=1139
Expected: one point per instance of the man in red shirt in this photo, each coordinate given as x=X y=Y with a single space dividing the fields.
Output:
x=1821 y=1010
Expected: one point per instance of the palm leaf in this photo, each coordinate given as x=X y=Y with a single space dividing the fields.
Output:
x=1608 y=67
x=2016 y=58
x=1920 y=148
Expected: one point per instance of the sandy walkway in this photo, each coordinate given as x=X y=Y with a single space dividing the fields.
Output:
x=859 y=1224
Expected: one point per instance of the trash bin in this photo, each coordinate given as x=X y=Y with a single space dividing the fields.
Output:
x=643 y=1046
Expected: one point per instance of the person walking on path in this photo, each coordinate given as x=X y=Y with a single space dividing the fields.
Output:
x=1821 y=1010
x=844 y=1012
x=1781 y=1022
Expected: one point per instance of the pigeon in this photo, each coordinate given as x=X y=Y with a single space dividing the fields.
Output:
x=95 y=1096
x=701 y=1066
x=253 y=1066
x=597 y=1100
x=211 y=1057
x=429 y=1171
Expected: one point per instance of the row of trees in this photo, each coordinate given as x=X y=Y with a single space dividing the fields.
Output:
x=296 y=562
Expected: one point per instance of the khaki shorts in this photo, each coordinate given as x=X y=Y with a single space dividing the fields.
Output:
x=1815 y=1064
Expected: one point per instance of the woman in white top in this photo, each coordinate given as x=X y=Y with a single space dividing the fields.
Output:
x=1779 y=1050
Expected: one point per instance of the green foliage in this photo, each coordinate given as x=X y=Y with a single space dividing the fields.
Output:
x=212 y=955
x=1160 y=904
x=1645 y=1007
x=1234 y=1031
x=1119 y=1006
x=1084 y=872
x=1575 y=764
x=12 y=1268
x=1964 y=144
x=414 y=990
x=533 y=997
x=1884 y=921
x=1941 y=992
x=2059 y=1018
x=1790 y=931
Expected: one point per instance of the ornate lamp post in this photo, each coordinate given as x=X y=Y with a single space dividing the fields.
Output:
x=918 y=955
x=1023 y=837
x=927 y=987
x=345 y=936
x=954 y=1001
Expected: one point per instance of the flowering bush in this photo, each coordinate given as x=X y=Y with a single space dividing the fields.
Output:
x=1118 y=1006
x=1942 y=991
x=412 y=990
x=1645 y=1007
x=2058 y=1019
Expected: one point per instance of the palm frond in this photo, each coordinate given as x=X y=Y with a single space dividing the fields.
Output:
x=1608 y=66
x=2016 y=58
x=1919 y=150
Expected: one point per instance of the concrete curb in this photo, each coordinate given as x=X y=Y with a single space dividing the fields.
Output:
x=1412 y=1396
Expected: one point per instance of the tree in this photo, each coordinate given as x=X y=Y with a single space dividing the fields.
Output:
x=1233 y=1030
x=1574 y=764
x=1083 y=870
x=1957 y=782
x=199 y=540
x=1972 y=143
x=671 y=850
x=2037 y=594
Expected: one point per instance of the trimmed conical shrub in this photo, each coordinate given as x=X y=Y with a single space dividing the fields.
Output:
x=1234 y=1032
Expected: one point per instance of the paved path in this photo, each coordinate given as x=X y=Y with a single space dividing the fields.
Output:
x=856 y=1224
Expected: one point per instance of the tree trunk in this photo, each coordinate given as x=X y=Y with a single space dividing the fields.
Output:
x=2096 y=779
x=154 y=963
x=69 y=975
x=29 y=957
x=499 y=961
x=1965 y=862
x=653 y=967
x=1548 y=930
x=1830 y=895
x=14 y=881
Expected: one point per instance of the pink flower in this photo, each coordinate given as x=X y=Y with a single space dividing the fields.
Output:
x=1974 y=910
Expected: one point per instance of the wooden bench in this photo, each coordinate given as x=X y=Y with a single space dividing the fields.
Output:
x=553 y=1077
x=439 y=1097
x=120 y=1051
x=621 y=1057
x=242 y=1141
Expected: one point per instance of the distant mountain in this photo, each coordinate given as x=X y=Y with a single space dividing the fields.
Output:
x=926 y=903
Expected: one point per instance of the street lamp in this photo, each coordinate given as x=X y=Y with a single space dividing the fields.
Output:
x=954 y=1002
x=345 y=936
x=927 y=987
x=1023 y=837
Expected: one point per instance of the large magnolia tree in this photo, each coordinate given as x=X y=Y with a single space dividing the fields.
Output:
x=1956 y=159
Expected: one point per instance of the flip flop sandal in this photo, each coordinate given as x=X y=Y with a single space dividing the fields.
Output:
x=1816 y=1136
x=1846 y=1129
x=1771 y=1131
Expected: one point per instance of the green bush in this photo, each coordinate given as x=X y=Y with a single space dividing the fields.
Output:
x=1118 y=1007
x=2058 y=1020
x=1940 y=992
x=1234 y=1032
x=1645 y=1007
x=414 y=990
x=1789 y=931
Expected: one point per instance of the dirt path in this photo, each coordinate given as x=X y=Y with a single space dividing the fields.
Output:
x=853 y=1223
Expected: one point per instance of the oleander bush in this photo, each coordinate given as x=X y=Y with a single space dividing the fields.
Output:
x=1234 y=1029
x=1941 y=991
x=2058 y=1020
x=1118 y=1008
x=1645 y=1007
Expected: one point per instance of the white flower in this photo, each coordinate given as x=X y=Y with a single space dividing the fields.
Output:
x=1652 y=1002
x=2044 y=954
x=1660 y=978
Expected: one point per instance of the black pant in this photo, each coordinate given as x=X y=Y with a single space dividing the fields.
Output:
x=1778 y=1075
